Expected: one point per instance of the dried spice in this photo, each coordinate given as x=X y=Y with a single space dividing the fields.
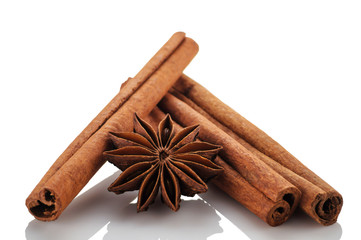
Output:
x=175 y=163
x=319 y=200
x=83 y=157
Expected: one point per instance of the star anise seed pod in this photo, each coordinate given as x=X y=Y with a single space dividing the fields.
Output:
x=175 y=163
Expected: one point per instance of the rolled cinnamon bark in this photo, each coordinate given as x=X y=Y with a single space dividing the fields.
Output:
x=81 y=160
x=253 y=170
x=231 y=182
x=319 y=200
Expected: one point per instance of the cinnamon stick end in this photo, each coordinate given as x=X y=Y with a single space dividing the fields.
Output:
x=328 y=208
x=45 y=207
x=292 y=196
x=278 y=214
x=179 y=35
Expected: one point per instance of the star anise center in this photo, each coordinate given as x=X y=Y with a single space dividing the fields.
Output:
x=163 y=155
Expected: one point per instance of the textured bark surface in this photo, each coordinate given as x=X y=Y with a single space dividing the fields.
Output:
x=81 y=160
x=232 y=183
x=319 y=200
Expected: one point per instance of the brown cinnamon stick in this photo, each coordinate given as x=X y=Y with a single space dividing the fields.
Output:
x=231 y=182
x=253 y=170
x=81 y=160
x=319 y=200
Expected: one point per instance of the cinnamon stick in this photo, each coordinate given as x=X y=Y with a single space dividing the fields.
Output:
x=81 y=160
x=253 y=170
x=232 y=183
x=319 y=200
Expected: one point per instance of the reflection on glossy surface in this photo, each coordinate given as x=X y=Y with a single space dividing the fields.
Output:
x=300 y=226
x=98 y=209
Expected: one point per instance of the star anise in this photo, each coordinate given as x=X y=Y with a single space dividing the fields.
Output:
x=175 y=163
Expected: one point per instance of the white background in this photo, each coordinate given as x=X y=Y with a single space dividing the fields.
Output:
x=290 y=67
